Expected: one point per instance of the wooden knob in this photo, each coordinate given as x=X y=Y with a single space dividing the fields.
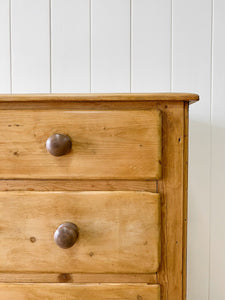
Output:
x=58 y=144
x=66 y=235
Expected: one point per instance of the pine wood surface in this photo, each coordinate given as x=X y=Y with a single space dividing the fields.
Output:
x=101 y=97
x=78 y=185
x=172 y=188
x=18 y=277
x=185 y=200
x=105 y=144
x=119 y=232
x=79 y=292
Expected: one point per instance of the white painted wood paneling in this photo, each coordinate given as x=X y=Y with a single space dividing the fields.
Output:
x=151 y=46
x=110 y=46
x=217 y=257
x=30 y=46
x=191 y=72
x=70 y=46
x=5 y=46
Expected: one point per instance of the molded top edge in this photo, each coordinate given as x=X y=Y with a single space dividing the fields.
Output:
x=188 y=97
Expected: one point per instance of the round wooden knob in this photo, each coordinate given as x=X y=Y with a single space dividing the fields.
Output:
x=58 y=144
x=66 y=235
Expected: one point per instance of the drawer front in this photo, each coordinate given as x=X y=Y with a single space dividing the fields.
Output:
x=119 y=232
x=75 y=292
x=105 y=144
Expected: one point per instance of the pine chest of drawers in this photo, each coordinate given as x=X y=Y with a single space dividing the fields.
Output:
x=93 y=196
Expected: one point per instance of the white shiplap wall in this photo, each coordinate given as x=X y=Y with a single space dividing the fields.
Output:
x=136 y=46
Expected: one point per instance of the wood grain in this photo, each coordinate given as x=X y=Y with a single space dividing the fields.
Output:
x=81 y=292
x=119 y=232
x=171 y=189
x=100 y=97
x=171 y=274
x=76 y=278
x=77 y=185
x=105 y=144
x=78 y=105
x=185 y=201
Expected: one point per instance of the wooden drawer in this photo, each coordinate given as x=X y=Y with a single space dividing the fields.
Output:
x=81 y=292
x=90 y=224
x=106 y=144
x=119 y=232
